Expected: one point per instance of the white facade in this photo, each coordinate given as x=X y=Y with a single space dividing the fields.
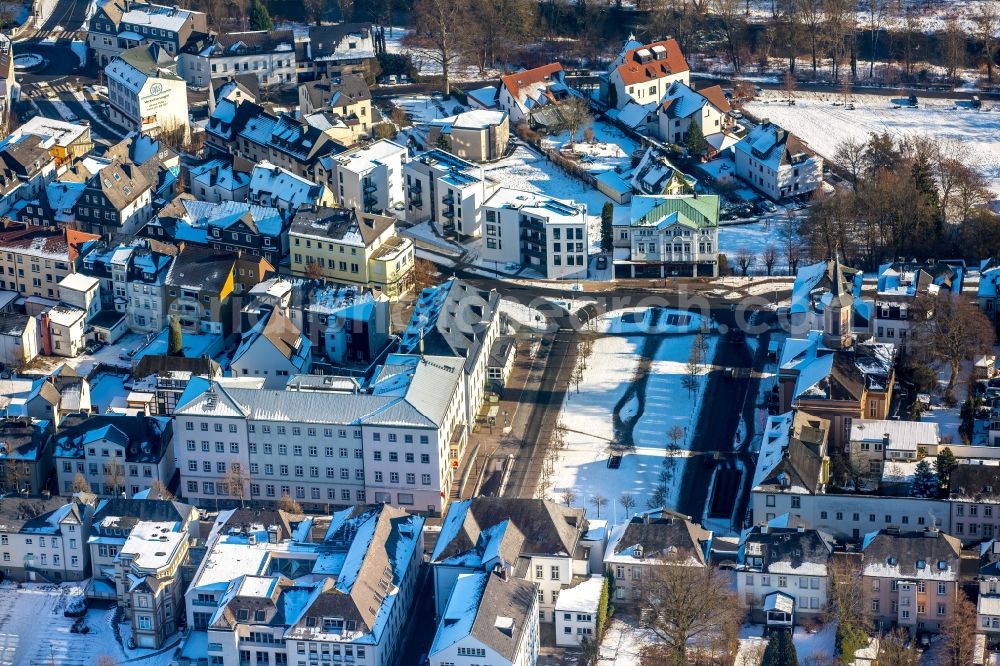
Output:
x=56 y=549
x=370 y=179
x=576 y=612
x=538 y=232
x=82 y=292
x=447 y=190
x=18 y=340
x=777 y=164
x=274 y=66
x=66 y=330
x=143 y=101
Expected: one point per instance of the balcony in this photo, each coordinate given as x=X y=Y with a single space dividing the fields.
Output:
x=370 y=187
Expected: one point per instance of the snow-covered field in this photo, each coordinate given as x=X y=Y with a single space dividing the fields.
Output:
x=587 y=422
x=611 y=149
x=649 y=321
x=809 y=647
x=823 y=126
x=33 y=630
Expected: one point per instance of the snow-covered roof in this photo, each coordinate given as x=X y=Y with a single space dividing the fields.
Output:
x=79 y=282
x=584 y=597
x=540 y=205
x=367 y=158
x=902 y=435
x=153 y=545
x=475 y=119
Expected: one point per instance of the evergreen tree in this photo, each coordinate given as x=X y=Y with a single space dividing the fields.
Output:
x=695 y=141
x=944 y=465
x=175 y=339
x=260 y=18
x=780 y=650
x=607 y=232
x=925 y=482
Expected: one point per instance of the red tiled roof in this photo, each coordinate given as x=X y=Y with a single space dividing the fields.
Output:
x=514 y=82
x=632 y=71
x=716 y=97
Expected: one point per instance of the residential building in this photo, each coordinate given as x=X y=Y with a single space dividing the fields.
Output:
x=82 y=292
x=118 y=455
x=577 y=612
x=133 y=282
x=220 y=179
x=490 y=618
x=167 y=377
x=777 y=163
x=792 y=474
x=347 y=98
x=200 y=287
x=974 y=494
x=370 y=179
x=18 y=339
x=245 y=129
x=669 y=235
x=987 y=294
x=657 y=175
x=448 y=191
x=26 y=168
x=522 y=93
x=813 y=291
x=116 y=202
x=781 y=567
x=537 y=540
x=44 y=540
x=65 y=141
x=268 y=55
x=339 y=587
x=396 y=442
x=875 y=444
x=66 y=327
x=910 y=579
x=681 y=106
x=477 y=136
x=158 y=162
x=901 y=284
x=145 y=93
x=25 y=455
x=339 y=49
x=348 y=247
x=988 y=602
x=652 y=539
x=49 y=398
x=279 y=188
x=247 y=229
x=34 y=260
x=116 y=26
x=274 y=348
x=642 y=73
x=344 y=324
x=456 y=320
x=537 y=232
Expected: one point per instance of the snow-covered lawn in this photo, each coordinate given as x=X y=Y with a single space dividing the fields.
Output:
x=587 y=419
x=611 y=148
x=623 y=642
x=84 y=363
x=754 y=237
x=823 y=126
x=105 y=389
x=526 y=170
x=33 y=630
x=425 y=108
x=809 y=647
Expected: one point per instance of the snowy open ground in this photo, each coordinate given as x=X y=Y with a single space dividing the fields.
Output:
x=823 y=126
x=33 y=630
x=587 y=421
x=809 y=647
x=105 y=389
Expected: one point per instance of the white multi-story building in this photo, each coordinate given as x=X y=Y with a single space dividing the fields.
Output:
x=371 y=178
x=577 y=611
x=669 y=235
x=536 y=231
x=116 y=26
x=642 y=73
x=268 y=55
x=490 y=618
x=399 y=443
x=279 y=188
x=283 y=586
x=778 y=163
x=44 y=540
x=144 y=91
x=448 y=191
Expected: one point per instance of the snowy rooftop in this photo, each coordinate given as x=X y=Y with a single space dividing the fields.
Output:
x=903 y=435
x=365 y=159
x=79 y=282
x=582 y=598
x=550 y=208
x=152 y=545
x=475 y=119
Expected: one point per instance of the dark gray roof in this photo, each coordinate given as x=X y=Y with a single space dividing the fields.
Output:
x=13 y=324
x=22 y=439
x=978 y=483
x=155 y=364
x=911 y=554
x=791 y=546
x=324 y=39
x=202 y=269
x=144 y=438
x=665 y=534
x=347 y=90
x=507 y=597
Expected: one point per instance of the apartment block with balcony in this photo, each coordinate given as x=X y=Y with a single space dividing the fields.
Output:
x=448 y=191
x=370 y=179
x=911 y=579
x=668 y=236
x=536 y=232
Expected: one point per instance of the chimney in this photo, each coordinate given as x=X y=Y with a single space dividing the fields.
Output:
x=885 y=441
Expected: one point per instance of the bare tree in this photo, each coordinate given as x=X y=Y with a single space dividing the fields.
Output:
x=237 y=482
x=574 y=114
x=568 y=496
x=80 y=484
x=16 y=475
x=314 y=9
x=895 y=649
x=875 y=13
x=986 y=19
x=950 y=330
x=314 y=270
x=850 y=154
x=845 y=599
x=628 y=503
x=288 y=505
x=687 y=604
x=733 y=22
x=425 y=274
x=959 y=633
x=789 y=83
x=769 y=257
x=440 y=23
x=577 y=376
x=745 y=260
x=158 y=490
x=598 y=502
x=953 y=44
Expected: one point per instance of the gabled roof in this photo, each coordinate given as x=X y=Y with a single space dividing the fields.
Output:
x=143 y=438
x=660 y=534
x=774 y=146
x=201 y=269
x=277 y=330
x=789 y=550
x=534 y=87
x=663 y=58
x=926 y=555
x=977 y=483
x=342 y=225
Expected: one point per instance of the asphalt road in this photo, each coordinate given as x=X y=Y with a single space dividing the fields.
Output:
x=67 y=16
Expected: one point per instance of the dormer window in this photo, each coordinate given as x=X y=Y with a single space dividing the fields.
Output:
x=258 y=616
x=242 y=614
x=333 y=625
x=310 y=621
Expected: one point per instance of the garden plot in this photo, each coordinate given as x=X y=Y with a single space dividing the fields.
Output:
x=425 y=108
x=823 y=126
x=631 y=392
x=610 y=149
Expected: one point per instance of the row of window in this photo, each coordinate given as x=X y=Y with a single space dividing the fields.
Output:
x=805 y=582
